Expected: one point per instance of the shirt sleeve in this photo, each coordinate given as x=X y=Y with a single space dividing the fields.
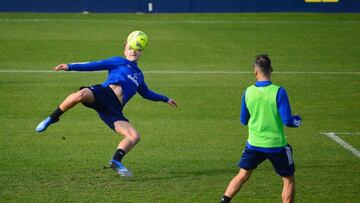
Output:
x=106 y=64
x=284 y=108
x=244 y=114
x=146 y=93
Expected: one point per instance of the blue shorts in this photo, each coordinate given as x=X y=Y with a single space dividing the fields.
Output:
x=106 y=104
x=282 y=161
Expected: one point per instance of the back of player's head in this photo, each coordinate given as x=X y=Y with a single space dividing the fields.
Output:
x=263 y=62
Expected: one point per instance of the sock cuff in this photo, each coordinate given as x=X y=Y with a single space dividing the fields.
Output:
x=121 y=151
x=60 y=109
x=225 y=199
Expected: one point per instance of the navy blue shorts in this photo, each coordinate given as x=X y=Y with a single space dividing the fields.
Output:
x=106 y=104
x=282 y=161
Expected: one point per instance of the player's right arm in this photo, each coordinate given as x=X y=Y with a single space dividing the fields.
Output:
x=63 y=66
x=244 y=112
x=285 y=110
x=106 y=64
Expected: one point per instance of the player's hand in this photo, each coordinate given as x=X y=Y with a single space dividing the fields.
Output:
x=172 y=102
x=297 y=120
x=61 y=67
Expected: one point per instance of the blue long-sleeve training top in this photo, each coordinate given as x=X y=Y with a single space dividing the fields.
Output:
x=283 y=107
x=121 y=72
x=282 y=102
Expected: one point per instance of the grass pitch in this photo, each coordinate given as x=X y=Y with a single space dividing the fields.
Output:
x=187 y=154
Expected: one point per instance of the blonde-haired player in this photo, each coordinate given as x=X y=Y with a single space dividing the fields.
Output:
x=125 y=79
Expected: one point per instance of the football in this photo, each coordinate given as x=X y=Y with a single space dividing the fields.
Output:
x=137 y=40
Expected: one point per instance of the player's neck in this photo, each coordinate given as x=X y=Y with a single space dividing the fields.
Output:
x=263 y=78
x=132 y=60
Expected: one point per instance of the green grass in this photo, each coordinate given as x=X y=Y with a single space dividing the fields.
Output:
x=187 y=154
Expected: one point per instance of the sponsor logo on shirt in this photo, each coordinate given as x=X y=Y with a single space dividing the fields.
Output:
x=134 y=79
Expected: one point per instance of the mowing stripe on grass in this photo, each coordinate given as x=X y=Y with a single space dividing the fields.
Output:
x=344 y=144
x=191 y=72
x=43 y=20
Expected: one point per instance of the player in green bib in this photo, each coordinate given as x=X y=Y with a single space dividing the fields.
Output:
x=265 y=125
x=265 y=109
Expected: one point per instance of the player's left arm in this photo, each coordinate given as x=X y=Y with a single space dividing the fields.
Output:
x=284 y=109
x=146 y=93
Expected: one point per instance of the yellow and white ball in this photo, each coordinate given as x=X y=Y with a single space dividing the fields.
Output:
x=137 y=40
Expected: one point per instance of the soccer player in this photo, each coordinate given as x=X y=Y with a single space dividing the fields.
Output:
x=265 y=109
x=108 y=99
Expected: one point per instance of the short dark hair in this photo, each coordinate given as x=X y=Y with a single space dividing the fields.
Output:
x=264 y=63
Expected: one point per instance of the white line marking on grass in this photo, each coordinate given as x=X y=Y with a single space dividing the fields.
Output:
x=344 y=144
x=26 y=71
x=44 y=20
x=249 y=72
x=190 y=72
x=348 y=133
x=197 y=72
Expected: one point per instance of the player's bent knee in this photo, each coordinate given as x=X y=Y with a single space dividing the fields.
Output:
x=135 y=137
x=132 y=135
x=244 y=175
x=84 y=95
